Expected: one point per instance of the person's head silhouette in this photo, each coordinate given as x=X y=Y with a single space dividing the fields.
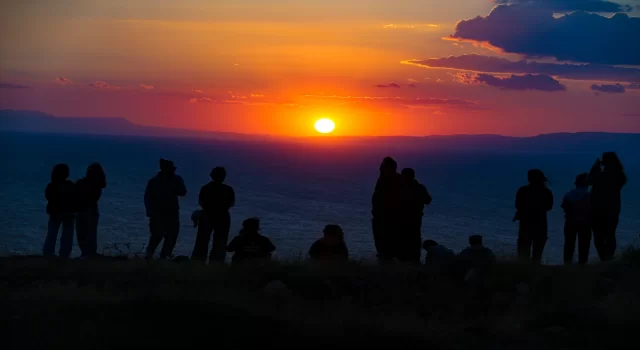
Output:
x=59 y=173
x=333 y=232
x=581 y=180
x=475 y=241
x=611 y=162
x=167 y=166
x=251 y=226
x=389 y=166
x=218 y=174
x=409 y=173
x=536 y=177
x=96 y=174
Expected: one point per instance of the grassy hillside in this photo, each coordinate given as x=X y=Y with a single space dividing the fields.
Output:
x=111 y=304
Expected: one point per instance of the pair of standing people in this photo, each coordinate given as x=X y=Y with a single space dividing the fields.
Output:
x=70 y=204
x=398 y=207
x=162 y=207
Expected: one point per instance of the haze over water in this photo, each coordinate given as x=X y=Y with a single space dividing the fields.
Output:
x=295 y=190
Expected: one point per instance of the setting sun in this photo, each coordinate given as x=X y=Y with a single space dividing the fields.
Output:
x=325 y=125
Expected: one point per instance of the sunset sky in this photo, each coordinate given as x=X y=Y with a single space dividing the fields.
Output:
x=376 y=67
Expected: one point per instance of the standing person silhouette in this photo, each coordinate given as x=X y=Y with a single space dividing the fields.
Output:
x=215 y=198
x=533 y=201
x=577 y=214
x=410 y=244
x=607 y=179
x=163 y=208
x=388 y=210
x=89 y=190
x=61 y=196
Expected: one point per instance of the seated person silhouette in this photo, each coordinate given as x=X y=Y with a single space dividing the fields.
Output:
x=250 y=245
x=331 y=247
x=437 y=253
x=476 y=260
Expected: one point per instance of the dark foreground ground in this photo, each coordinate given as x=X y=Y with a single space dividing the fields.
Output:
x=107 y=304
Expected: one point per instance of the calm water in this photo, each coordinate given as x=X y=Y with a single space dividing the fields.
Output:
x=295 y=190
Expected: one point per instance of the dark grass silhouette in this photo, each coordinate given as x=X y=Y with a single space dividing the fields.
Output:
x=108 y=304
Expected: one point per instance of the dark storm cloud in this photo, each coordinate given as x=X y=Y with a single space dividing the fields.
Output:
x=13 y=86
x=534 y=32
x=487 y=64
x=538 y=82
x=572 y=5
x=390 y=85
x=612 y=89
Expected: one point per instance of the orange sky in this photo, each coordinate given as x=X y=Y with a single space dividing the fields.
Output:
x=275 y=67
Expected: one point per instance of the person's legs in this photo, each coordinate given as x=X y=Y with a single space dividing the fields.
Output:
x=66 y=239
x=221 y=226
x=156 y=230
x=599 y=236
x=92 y=233
x=82 y=228
x=570 y=233
x=524 y=242
x=378 y=231
x=409 y=249
x=612 y=244
x=200 y=249
x=49 y=247
x=385 y=245
x=172 y=229
x=539 y=241
x=584 y=244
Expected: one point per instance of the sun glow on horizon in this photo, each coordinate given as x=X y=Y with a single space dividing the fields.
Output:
x=325 y=125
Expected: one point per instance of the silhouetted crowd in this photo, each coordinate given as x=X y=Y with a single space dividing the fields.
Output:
x=398 y=204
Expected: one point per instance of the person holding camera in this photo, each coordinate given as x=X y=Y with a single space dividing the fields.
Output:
x=606 y=179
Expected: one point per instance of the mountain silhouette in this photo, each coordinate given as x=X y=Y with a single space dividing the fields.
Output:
x=582 y=142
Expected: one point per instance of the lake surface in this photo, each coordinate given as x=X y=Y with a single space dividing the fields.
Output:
x=295 y=190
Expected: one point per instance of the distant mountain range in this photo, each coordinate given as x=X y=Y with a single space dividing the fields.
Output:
x=592 y=142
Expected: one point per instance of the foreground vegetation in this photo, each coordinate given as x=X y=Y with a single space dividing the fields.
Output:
x=107 y=304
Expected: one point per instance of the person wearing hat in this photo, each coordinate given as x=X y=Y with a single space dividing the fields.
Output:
x=163 y=207
x=577 y=214
x=215 y=198
x=533 y=201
